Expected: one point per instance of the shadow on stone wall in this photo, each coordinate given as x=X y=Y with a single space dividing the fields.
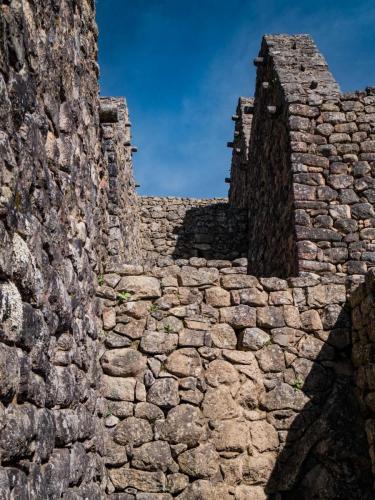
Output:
x=215 y=231
x=325 y=455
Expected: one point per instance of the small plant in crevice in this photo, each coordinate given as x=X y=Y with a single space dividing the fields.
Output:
x=100 y=280
x=167 y=328
x=298 y=384
x=109 y=412
x=153 y=308
x=123 y=296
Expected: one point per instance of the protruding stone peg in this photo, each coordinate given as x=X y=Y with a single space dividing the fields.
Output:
x=271 y=110
x=258 y=61
x=248 y=110
x=236 y=133
x=228 y=180
x=134 y=149
x=235 y=118
x=128 y=124
x=127 y=143
x=230 y=144
x=108 y=112
x=137 y=185
x=265 y=85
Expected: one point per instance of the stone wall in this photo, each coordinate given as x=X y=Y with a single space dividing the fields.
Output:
x=55 y=232
x=188 y=227
x=219 y=384
x=124 y=239
x=297 y=74
x=309 y=176
x=238 y=191
x=363 y=319
x=334 y=189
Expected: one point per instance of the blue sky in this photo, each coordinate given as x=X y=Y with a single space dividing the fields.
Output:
x=182 y=64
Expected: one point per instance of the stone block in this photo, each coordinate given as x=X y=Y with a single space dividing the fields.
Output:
x=217 y=297
x=164 y=393
x=201 y=462
x=154 y=342
x=117 y=388
x=133 y=431
x=123 y=362
x=154 y=456
x=253 y=339
x=140 y=287
x=237 y=317
x=234 y=282
x=223 y=336
x=184 y=362
x=270 y=317
x=150 y=482
x=192 y=338
x=184 y=425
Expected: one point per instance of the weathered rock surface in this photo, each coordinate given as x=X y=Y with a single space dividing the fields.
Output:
x=123 y=362
x=184 y=363
x=155 y=456
x=140 y=287
x=183 y=425
x=150 y=482
x=134 y=431
x=164 y=393
x=118 y=388
x=201 y=462
x=223 y=336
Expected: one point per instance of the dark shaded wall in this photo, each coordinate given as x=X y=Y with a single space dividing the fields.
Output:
x=238 y=190
x=55 y=230
x=269 y=179
x=363 y=337
x=188 y=227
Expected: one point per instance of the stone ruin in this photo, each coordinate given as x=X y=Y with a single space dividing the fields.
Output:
x=156 y=348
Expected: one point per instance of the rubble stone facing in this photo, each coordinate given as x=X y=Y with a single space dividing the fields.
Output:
x=223 y=396
x=188 y=227
x=363 y=338
x=60 y=225
x=124 y=238
x=312 y=187
x=238 y=188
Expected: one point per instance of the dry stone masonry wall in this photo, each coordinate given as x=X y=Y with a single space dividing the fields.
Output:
x=124 y=239
x=238 y=190
x=56 y=225
x=140 y=358
x=312 y=178
x=218 y=384
x=53 y=219
x=188 y=227
x=363 y=338
x=334 y=195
